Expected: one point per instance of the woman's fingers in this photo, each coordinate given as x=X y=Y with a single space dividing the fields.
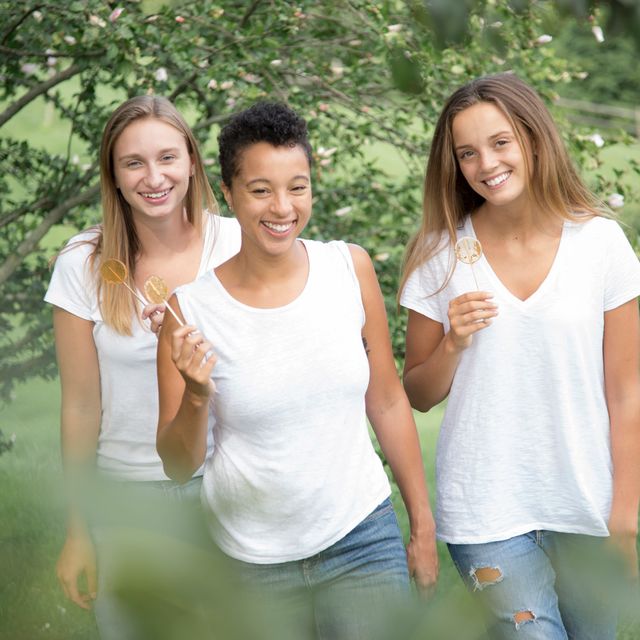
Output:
x=155 y=314
x=77 y=559
x=469 y=313
x=193 y=357
x=472 y=307
x=179 y=340
x=151 y=310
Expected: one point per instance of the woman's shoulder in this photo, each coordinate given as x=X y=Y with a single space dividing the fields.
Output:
x=222 y=239
x=223 y=221
x=336 y=250
x=87 y=238
x=195 y=288
x=78 y=248
x=599 y=229
x=436 y=252
x=222 y=225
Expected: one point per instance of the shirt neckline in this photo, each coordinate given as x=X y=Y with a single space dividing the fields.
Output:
x=267 y=310
x=542 y=287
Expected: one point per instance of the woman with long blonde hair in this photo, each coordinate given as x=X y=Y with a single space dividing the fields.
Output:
x=535 y=341
x=159 y=218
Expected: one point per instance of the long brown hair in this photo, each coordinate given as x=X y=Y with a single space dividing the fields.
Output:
x=554 y=185
x=118 y=238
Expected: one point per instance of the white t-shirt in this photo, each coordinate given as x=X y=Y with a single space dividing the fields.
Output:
x=128 y=376
x=294 y=469
x=524 y=444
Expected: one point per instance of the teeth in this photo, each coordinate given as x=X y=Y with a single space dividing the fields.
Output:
x=159 y=194
x=279 y=228
x=494 y=182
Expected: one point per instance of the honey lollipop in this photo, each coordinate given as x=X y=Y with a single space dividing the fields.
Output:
x=156 y=290
x=469 y=250
x=115 y=272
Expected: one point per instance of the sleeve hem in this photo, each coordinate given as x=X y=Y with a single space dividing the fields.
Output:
x=621 y=299
x=66 y=306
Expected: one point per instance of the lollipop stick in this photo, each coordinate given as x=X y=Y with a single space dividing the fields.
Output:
x=136 y=294
x=173 y=313
x=473 y=271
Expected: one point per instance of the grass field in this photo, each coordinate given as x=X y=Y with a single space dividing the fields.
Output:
x=32 y=607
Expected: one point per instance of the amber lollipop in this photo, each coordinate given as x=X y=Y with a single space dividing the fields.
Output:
x=156 y=290
x=469 y=250
x=115 y=272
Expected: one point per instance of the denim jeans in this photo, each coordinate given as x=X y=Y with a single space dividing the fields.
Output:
x=133 y=516
x=348 y=591
x=542 y=585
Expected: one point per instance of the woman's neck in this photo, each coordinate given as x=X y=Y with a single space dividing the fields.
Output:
x=515 y=222
x=265 y=281
x=259 y=268
x=162 y=238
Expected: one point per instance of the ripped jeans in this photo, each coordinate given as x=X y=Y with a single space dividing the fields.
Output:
x=542 y=585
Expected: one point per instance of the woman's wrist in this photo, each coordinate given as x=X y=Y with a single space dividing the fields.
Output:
x=451 y=347
x=197 y=398
x=423 y=524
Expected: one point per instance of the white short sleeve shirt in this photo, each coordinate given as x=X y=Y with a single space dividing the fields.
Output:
x=128 y=377
x=524 y=442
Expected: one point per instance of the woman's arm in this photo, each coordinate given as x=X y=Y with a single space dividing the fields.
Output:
x=80 y=426
x=184 y=390
x=392 y=420
x=622 y=387
x=432 y=356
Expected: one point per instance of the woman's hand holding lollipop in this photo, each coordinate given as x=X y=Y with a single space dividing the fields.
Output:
x=473 y=311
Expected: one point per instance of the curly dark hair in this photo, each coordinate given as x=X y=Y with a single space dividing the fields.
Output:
x=271 y=122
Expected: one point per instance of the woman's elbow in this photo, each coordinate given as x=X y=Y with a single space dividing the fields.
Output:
x=179 y=473
x=417 y=398
x=178 y=463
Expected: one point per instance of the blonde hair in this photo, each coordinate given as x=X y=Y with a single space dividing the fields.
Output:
x=554 y=186
x=118 y=238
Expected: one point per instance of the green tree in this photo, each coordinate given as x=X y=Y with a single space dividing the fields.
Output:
x=369 y=76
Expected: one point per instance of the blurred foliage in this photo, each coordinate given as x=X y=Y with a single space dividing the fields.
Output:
x=369 y=76
x=451 y=19
x=6 y=444
x=620 y=82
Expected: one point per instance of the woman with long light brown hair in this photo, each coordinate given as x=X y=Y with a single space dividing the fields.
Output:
x=534 y=338
x=159 y=218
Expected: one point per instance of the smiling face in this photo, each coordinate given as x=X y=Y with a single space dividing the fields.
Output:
x=271 y=196
x=152 y=168
x=489 y=155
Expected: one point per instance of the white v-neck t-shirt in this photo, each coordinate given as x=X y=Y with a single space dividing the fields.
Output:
x=524 y=444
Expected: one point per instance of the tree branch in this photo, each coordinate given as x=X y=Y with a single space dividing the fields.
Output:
x=17 y=345
x=17 y=371
x=38 y=90
x=25 y=53
x=221 y=117
x=16 y=23
x=32 y=240
x=183 y=85
x=249 y=13
x=25 y=208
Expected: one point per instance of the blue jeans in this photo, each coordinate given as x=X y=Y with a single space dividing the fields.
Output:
x=542 y=585
x=132 y=514
x=346 y=591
